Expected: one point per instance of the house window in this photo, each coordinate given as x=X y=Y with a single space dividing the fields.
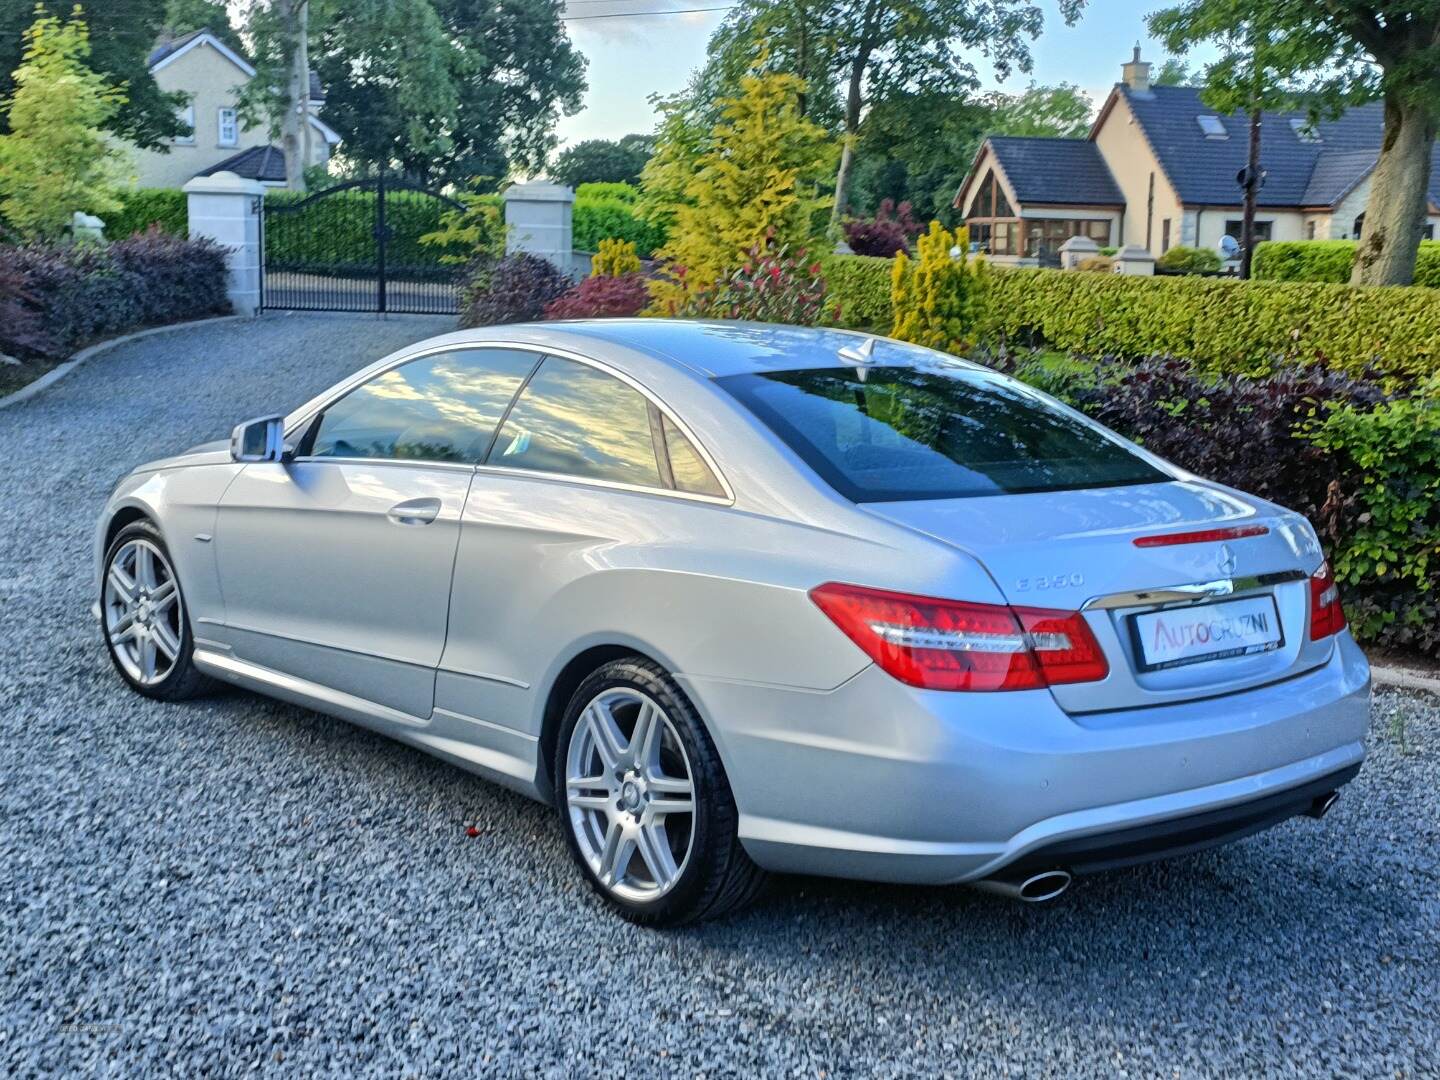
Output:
x=229 y=127
x=1310 y=230
x=1002 y=238
x=1236 y=227
x=186 y=117
x=1427 y=233
x=1358 y=227
x=1212 y=127
x=1164 y=236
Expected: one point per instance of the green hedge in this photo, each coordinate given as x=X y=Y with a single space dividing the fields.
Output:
x=859 y=285
x=608 y=218
x=1331 y=261
x=1219 y=324
x=626 y=193
x=144 y=207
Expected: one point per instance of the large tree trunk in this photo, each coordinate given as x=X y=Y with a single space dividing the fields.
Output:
x=1399 y=194
x=297 y=91
x=853 y=102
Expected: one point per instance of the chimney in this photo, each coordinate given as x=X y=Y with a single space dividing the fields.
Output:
x=1136 y=74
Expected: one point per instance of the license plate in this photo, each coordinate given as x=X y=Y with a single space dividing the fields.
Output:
x=1179 y=636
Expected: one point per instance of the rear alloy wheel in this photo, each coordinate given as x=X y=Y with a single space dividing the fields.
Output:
x=142 y=610
x=647 y=810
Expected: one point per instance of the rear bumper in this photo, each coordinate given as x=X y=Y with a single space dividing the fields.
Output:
x=879 y=781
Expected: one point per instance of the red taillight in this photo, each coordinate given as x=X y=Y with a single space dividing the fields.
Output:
x=954 y=645
x=1203 y=536
x=1326 y=615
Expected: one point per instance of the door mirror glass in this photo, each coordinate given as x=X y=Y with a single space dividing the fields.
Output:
x=261 y=439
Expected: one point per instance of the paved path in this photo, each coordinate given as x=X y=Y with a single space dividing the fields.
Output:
x=237 y=886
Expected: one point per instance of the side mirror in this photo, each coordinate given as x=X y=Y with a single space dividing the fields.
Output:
x=261 y=439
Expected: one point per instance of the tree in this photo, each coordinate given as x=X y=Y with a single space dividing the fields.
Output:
x=1339 y=53
x=1061 y=112
x=599 y=161
x=916 y=148
x=857 y=53
x=279 y=32
x=122 y=35
x=56 y=158
x=754 y=183
x=1175 y=72
x=184 y=16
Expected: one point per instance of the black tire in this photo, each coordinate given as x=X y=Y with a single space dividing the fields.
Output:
x=718 y=877
x=183 y=681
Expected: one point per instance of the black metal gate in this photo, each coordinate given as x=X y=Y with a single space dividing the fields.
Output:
x=356 y=247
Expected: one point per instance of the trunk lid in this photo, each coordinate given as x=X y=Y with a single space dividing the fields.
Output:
x=1075 y=550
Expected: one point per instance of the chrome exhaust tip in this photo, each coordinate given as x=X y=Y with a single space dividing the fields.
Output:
x=1034 y=889
x=1322 y=804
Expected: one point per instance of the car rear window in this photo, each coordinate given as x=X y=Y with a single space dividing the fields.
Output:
x=885 y=434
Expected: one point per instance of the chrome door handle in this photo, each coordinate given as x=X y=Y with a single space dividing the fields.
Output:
x=414 y=512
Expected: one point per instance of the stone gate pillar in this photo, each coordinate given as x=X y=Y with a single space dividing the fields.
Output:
x=540 y=220
x=226 y=208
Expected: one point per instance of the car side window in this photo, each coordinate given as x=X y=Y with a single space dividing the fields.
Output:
x=686 y=465
x=576 y=420
x=443 y=407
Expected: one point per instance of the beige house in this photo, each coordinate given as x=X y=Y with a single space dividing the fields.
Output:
x=1159 y=168
x=212 y=74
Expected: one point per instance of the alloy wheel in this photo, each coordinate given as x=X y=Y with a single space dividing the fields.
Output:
x=630 y=793
x=144 y=620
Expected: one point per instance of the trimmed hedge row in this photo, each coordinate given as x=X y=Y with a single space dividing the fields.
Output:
x=1219 y=324
x=340 y=230
x=62 y=296
x=1331 y=261
x=859 y=286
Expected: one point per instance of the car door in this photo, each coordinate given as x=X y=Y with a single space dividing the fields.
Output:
x=335 y=566
x=585 y=475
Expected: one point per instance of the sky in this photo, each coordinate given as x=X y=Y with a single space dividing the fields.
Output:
x=633 y=57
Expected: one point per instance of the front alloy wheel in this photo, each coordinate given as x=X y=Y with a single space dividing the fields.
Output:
x=645 y=802
x=142 y=612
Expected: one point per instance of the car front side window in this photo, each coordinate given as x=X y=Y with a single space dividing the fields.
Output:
x=575 y=420
x=443 y=407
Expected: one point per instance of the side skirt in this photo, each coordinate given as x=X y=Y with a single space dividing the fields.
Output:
x=495 y=753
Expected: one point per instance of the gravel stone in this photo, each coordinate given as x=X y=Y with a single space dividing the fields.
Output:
x=237 y=886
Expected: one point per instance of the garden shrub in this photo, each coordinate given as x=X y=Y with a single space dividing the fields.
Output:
x=939 y=298
x=1189 y=260
x=885 y=235
x=1218 y=324
x=518 y=288
x=477 y=230
x=1096 y=264
x=1331 y=261
x=77 y=294
x=173 y=278
x=1383 y=516
x=143 y=207
x=603 y=296
x=614 y=258
x=20 y=330
x=859 y=289
x=772 y=286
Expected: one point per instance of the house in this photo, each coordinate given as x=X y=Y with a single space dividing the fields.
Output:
x=1159 y=168
x=212 y=74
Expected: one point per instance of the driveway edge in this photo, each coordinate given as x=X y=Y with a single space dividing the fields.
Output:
x=56 y=374
x=1404 y=680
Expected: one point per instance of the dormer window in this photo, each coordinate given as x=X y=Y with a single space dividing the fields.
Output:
x=1304 y=130
x=1212 y=126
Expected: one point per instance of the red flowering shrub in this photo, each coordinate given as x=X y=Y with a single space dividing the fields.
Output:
x=602 y=297
x=888 y=233
x=772 y=286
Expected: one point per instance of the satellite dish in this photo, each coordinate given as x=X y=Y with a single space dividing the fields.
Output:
x=1229 y=247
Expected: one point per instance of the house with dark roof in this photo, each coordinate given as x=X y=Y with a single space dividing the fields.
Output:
x=211 y=75
x=1159 y=168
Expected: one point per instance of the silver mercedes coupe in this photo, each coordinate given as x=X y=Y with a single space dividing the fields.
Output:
x=739 y=598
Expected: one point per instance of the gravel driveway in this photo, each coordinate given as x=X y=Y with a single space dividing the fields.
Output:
x=239 y=886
